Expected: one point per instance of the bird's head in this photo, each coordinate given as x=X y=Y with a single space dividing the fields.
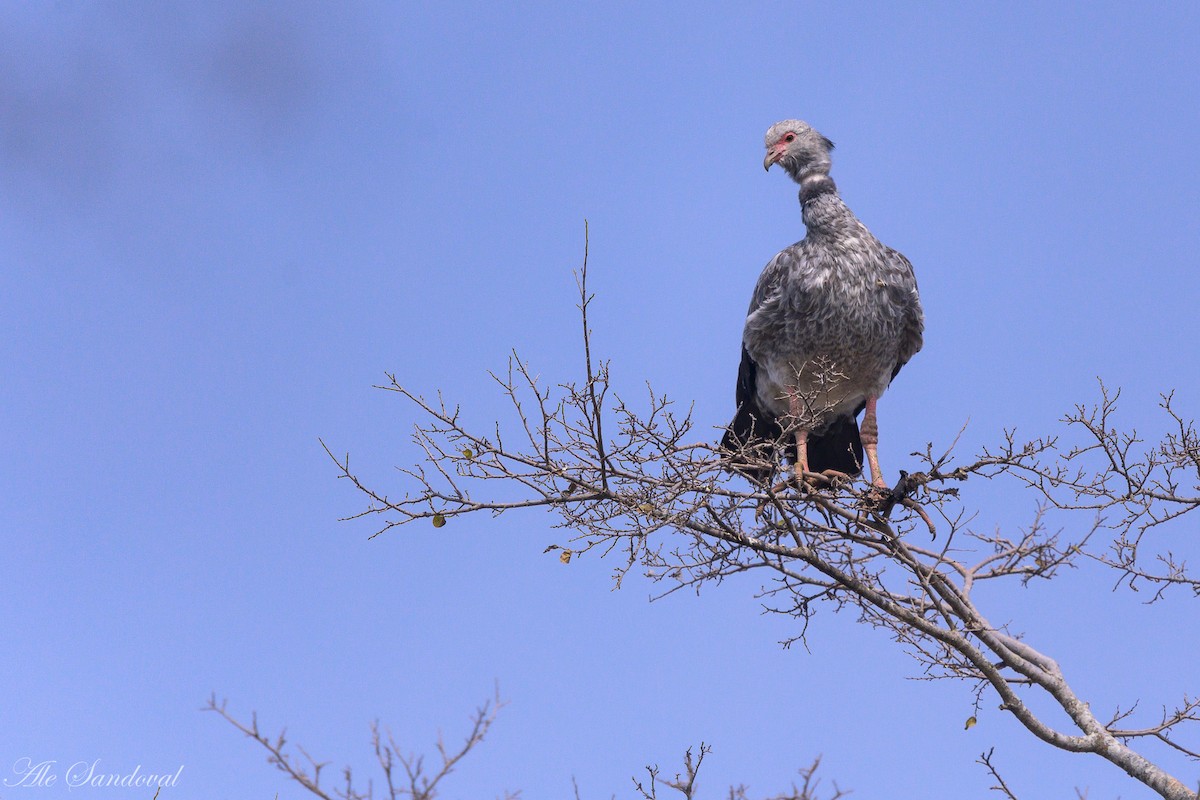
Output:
x=799 y=149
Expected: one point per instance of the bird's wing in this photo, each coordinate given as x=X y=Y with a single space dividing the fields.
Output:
x=779 y=300
x=766 y=294
x=746 y=394
x=770 y=280
x=749 y=439
x=904 y=288
x=752 y=422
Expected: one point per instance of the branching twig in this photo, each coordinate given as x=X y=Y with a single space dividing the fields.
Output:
x=418 y=782
x=986 y=760
x=661 y=500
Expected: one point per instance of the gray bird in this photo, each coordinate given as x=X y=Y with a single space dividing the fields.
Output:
x=832 y=319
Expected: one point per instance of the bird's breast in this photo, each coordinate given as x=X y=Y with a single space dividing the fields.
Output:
x=833 y=333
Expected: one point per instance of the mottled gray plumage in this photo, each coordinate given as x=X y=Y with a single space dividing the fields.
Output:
x=832 y=319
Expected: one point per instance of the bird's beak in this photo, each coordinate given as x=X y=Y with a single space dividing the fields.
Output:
x=773 y=156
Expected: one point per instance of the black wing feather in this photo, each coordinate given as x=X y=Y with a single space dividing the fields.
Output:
x=755 y=433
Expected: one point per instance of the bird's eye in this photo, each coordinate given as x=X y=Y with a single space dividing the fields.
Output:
x=789 y=137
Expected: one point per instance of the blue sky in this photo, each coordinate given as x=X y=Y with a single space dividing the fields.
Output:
x=221 y=223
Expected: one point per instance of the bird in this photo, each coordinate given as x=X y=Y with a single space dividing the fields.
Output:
x=831 y=321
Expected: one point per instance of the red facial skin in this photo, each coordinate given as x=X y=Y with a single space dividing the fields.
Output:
x=776 y=151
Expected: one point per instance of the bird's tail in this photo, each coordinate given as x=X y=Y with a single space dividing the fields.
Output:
x=750 y=440
x=838 y=447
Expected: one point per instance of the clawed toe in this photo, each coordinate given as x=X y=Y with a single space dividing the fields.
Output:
x=884 y=499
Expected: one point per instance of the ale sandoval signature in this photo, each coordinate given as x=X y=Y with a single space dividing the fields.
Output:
x=30 y=773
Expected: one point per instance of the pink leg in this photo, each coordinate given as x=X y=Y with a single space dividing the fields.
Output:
x=801 y=437
x=801 y=454
x=869 y=433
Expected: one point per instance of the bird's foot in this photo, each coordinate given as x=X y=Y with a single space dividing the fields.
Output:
x=835 y=478
x=826 y=479
x=829 y=478
x=885 y=499
x=916 y=508
x=881 y=495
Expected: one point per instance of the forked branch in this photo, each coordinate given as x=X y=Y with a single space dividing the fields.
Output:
x=405 y=774
x=661 y=499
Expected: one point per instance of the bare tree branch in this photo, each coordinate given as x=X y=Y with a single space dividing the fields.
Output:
x=660 y=501
x=685 y=782
x=405 y=774
x=1000 y=786
x=806 y=790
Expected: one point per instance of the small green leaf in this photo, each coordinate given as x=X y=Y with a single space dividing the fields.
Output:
x=438 y=520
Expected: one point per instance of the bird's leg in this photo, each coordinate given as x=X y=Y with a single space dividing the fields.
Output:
x=803 y=476
x=869 y=433
x=801 y=454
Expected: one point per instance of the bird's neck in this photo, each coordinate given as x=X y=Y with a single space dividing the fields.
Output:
x=823 y=210
x=814 y=185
